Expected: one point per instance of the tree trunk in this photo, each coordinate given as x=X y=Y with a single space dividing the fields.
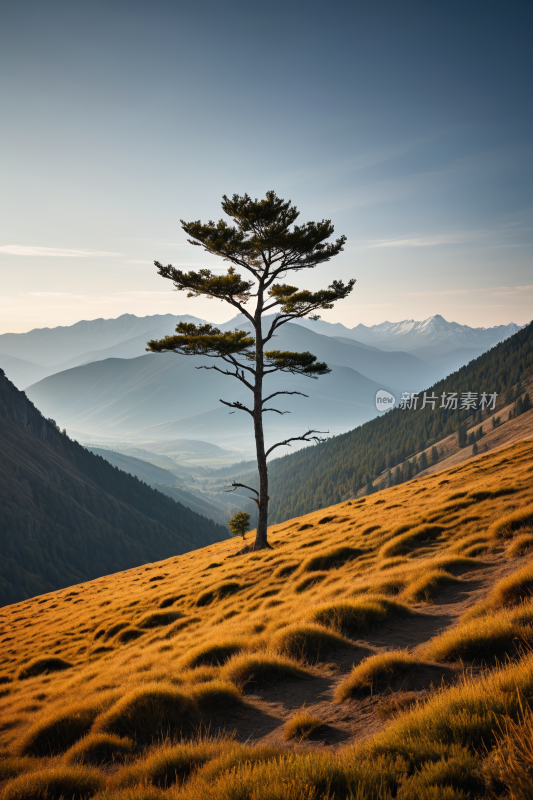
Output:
x=261 y=540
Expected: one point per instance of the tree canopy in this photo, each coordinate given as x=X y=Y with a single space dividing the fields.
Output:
x=265 y=241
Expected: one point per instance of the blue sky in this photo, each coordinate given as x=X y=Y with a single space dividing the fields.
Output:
x=409 y=125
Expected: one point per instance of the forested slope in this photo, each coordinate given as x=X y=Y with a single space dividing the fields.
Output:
x=163 y=481
x=319 y=476
x=68 y=516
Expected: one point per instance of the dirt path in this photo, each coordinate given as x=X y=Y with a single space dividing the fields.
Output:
x=262 y=719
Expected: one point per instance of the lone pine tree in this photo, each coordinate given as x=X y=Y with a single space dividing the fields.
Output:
x=266 y=243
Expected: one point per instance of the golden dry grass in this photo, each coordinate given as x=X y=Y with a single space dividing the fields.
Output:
x=301 y=726
x=99 y=748
x=375 y=671
x=130 y=672
x=307 y=642
x=487 y=639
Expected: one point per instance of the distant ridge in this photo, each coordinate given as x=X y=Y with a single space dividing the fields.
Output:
x=410 y=334
x=51 y=346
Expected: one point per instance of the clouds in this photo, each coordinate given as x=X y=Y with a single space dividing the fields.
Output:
x=499 y=237
x=54 y=252
x=56 y=295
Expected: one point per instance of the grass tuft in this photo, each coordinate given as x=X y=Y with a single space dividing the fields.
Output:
x=169 y=601
x=512 y=590
x=511 y=763
x=216 y=696
x=508 y=526
x=302 y=726
x=213 y=654
x=129 y=634
x=285 y=570
x=147 y=712
x=331 y=559
x=309 y=582
x=218 y=593
x=169 y=764
x=158 y=619
x=56 y=732
x=306 y=642
x=487 y=639
x=406 y=541
x=43 y=666
x=114 y=629
x=99 y=748
x=56 y=783
x=358 y=616
x=11 y=766
x=375 y=672
x=426 y=588
x=520 y=546
x=259 y=669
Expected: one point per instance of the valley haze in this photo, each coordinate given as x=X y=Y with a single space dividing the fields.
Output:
x=96 y=380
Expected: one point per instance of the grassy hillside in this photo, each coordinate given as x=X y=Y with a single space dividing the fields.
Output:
x=67 y=515
x=381 y=650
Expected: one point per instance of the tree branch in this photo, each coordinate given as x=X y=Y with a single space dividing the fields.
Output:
x=238 y=406
x=270 y=396
x=235 y=485
x=310 y=436
x=250 y=489
x=241 y=378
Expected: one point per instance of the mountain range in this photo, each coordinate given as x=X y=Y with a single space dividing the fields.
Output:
x=68 y=513
x=165 y=397
x=96 y=379
x=29 y=357
x=411 y=335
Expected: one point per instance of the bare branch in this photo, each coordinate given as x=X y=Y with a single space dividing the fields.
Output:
x=238 y=406
x=270 y=396
x=235 y=374
x=243 y=486
x=229 y=359
x=274 y=409
x=310 y=436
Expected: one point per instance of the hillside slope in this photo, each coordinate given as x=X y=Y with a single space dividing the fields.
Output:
x=163 y=481
x=358 y=658
x=68 y=515
x=321 y=475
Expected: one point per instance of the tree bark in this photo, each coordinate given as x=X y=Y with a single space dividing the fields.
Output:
x=261 y=540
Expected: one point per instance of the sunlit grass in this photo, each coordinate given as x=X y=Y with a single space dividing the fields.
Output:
x=301 y=726
x=375 y=672
x=358 y=616
x=487 y=639
x=117 y=680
